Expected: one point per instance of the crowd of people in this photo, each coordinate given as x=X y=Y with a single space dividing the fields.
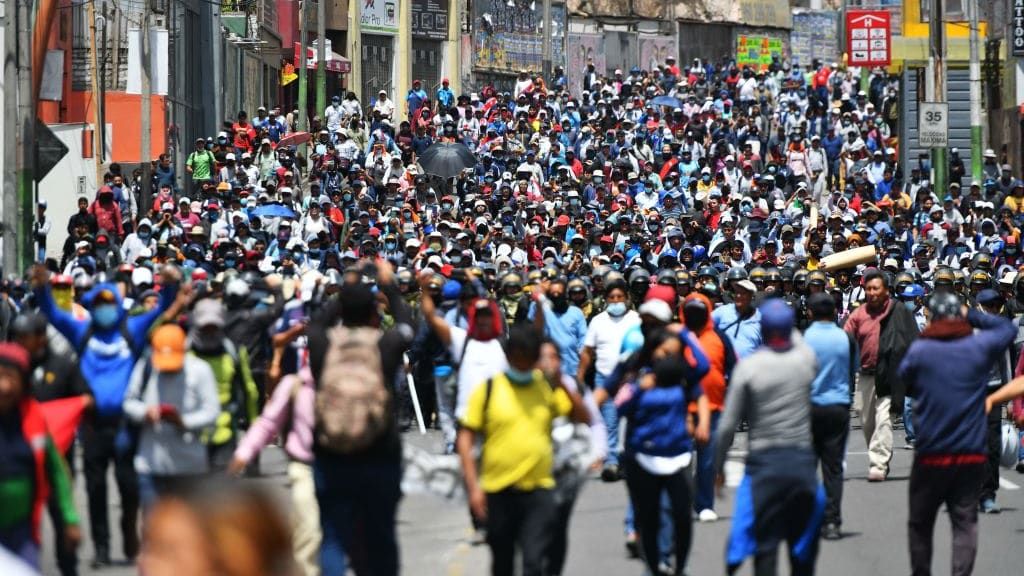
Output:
x=660 y=249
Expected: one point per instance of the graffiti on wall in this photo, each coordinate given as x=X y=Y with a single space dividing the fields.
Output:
x=510 y=38
x=583 y=48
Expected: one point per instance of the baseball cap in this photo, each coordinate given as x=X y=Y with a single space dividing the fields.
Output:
x=657 y=309
x=168 y=348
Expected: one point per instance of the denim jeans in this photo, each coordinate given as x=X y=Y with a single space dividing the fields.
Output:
x=610 y=415
x=705 y=498
x=358 y=505
x=908 y=419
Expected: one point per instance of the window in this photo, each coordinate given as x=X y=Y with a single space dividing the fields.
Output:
x=954 y=10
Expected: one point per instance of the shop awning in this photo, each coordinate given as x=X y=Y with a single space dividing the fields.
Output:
x=335 y=62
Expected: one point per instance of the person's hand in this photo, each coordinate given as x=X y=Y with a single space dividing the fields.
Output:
x=39 y=276
x=169 y=275
x=72 y=536
x=702 y=434
x=173 y=417
x=719 y=484
x=153 y=414
x=647 y=381
x=236 y=467
x=385 y=273
x=478 y=503
x=988 y=405
x=425 y=278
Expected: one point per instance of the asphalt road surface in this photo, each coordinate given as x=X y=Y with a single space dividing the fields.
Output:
x=434 y=532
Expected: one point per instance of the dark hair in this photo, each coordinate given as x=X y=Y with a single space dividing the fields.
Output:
x=525 y=340
x=28 y=323
x=359 y=305
x=876 y=274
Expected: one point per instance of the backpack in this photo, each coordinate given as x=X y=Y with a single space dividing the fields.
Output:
x=352 y=403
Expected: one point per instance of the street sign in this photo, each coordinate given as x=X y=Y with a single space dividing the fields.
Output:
x=49 y=150
x=868 y=38
x=1017 y=28
x=933 y=124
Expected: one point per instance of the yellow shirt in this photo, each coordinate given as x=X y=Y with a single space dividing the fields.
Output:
x=517 y=451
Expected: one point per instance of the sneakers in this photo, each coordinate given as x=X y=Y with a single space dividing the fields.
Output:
x=665 y=569
x=478 y=538
x=831 y=532
x=1020 y=467
x=611 y=473
x=989 y=506
x=876 y=475
x=707 y=515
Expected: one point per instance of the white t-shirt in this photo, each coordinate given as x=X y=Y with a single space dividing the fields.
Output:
x=605 y=336
x=482 y=360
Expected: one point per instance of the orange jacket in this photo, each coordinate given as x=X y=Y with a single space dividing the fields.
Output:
x=721 y=357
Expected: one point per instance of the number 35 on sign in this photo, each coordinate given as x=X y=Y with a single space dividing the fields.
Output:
x=933 y=124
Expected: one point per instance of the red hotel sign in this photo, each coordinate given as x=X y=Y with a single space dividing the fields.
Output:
x=868 y=38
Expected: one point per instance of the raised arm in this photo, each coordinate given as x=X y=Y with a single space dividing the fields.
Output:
x=429 y=311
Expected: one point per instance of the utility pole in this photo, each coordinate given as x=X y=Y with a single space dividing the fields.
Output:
x=302 y=121
x=546 y=43
x=97 y=102
x=935 y=89
x=27 y=146
x=975 y=80
x=10 y=201
x=321 y=57
x=102 y=102
x=147 y=96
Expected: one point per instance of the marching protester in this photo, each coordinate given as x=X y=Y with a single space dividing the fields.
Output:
x=653 y=239
x=947 y=370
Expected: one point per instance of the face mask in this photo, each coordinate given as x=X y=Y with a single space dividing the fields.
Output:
x=435 y=247
x=519 y=377
x=390 y=245
x=560 y=303
x=230 y=263
x=617 y=309
x=446 y=206
x=213 y=216
x=346 y=197
x=144 y=236
x=910 y=305
x=105 y=315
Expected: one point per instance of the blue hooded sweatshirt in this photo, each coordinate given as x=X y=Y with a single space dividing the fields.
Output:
x=107 y=359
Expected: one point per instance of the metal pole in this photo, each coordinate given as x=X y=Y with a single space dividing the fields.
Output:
x=936 y=61
x=321 y=57
x=546 y=43
x=302 y=120
x=102 y=104
x=97 y=100
x=975 y=80
x=145 y=153
x=27 y=146
x=10 y=201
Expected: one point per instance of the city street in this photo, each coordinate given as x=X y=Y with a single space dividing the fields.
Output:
x=434 y=533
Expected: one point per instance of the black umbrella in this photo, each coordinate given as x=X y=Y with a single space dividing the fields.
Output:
x=447 y=159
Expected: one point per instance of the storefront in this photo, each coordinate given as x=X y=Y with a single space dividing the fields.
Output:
x=429 y=32
x=378 y=22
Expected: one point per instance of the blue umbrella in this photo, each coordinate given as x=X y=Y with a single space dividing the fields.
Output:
x=274 y=211
x=669 y=101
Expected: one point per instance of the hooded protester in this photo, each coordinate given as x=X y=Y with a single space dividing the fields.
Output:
x=109 y=343
x=696 y=314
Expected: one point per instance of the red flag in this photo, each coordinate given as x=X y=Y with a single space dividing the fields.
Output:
x=62 y=418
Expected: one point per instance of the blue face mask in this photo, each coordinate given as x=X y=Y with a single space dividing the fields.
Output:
x=519 y=377
x=617 y=309
x=910 y=304
x=105 y=315
x=214 y=216
x=390 y=245
x=144 y=236
x=230 y=263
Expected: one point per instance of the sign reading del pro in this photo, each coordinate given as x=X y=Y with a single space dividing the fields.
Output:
x=933 y=124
